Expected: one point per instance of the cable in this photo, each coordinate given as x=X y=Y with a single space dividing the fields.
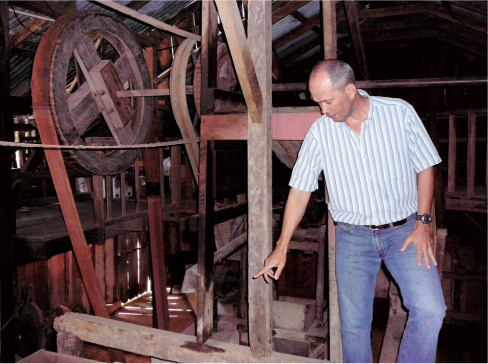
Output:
x=97 y=147
x=52 y=11
x=15 y=13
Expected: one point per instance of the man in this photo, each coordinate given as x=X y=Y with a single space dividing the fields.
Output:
x=378 y=161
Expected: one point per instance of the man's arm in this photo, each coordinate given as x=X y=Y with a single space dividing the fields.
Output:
x=294 y=210
x=421 y=234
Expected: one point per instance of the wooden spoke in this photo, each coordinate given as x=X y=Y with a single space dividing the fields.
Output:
x=86 y=53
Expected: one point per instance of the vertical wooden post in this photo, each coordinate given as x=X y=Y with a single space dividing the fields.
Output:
x=259 y=151
x=69 y=344
x=329 y=29
x=208 y=55
x=175 y=197
x=7 y=213
x=357 y=39
x=334 y=318
x=206 y=246
x=98 y=211
x=451 y=159
x=319 y=291
x=471 y=160
x=109 y=255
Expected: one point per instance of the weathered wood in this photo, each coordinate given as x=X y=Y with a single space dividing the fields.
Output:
x=44 y=356
x=421 y=82
x=159 y=343
x=285 y=126
x=206 y=247
x=148 y=19
x=69 y=344
x=175 y=177
x=7 y=212
x=335 y=343
x=109 y=254
x=208 y=56
x=451 y=158
x=297 y=316
x=320 y=286
x=151 y=159
x=329 y=29
x=260 y=231
x=241 y=56
x=178 y=101
x=357 y=38
x=471 y=154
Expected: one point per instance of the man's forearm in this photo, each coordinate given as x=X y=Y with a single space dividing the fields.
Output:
x=294 y=210
x=425 y=187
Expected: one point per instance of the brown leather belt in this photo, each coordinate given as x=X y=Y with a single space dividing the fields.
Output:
x=386 y=226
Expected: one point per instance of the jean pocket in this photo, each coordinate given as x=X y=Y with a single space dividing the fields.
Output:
x=343 y=227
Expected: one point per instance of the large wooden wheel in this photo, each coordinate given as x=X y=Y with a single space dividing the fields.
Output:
x=83 y=59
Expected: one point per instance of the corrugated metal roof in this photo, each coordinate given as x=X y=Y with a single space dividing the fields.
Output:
x=284 y=26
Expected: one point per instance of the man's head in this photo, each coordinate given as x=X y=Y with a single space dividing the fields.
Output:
x=332 y=85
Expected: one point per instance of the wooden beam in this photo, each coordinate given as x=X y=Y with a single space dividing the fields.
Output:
x=305 y=27
x=241 y=56
x=7 y=212
x=287 y=9
x=259 y=152
x=23 y=33
x=160 y=344
x=206 y=246
x=476 y=6
x=208 y=56
x=457 y=18
x=357 y=39
x=329 y=28
x=147 y=19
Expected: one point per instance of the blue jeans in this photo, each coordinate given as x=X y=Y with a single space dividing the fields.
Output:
x=359 y=254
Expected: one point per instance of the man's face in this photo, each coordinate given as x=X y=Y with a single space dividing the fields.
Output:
x=336 y=104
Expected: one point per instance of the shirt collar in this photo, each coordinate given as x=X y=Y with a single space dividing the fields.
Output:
x=363 y=93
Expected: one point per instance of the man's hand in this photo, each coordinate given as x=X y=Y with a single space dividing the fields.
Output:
x=421 y=236
x=276 y=259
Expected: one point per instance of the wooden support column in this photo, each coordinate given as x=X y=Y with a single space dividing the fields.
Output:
x=357 y=39
x=319 y=291
x=7 y=213
x=335 y=343
x=208 y=55
x=206 y=246
x=241 y=56
x=259 y=151
x=329 y=28
x=152 y=164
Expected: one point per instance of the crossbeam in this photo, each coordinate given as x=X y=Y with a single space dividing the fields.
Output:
x=161 y=344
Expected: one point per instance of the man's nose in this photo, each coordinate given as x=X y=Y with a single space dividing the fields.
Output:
x=323 y=108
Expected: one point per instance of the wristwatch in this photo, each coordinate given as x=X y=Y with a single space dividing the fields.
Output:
x=425 y=218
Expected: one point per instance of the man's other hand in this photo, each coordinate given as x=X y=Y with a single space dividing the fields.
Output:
x=276 y=259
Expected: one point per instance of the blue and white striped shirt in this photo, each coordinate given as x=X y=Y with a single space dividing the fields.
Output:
x=371 y=177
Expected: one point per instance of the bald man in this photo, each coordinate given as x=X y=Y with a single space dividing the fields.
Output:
x=377 y=160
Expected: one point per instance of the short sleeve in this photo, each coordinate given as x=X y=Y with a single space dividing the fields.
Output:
x=423 y=153
x=308 y=165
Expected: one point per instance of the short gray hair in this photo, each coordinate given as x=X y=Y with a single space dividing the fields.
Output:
x=340 y=73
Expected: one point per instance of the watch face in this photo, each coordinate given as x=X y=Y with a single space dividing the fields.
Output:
x=426 y=218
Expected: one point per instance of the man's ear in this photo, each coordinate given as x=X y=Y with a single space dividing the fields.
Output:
x=351 y=89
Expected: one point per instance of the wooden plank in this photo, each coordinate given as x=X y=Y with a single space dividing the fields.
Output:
x=152 y=92
x=305 y=27
x=471 y=154
x=148 y=19
x=451 y=158
x=7 y=212
x=206 y=246
x=335 y=343
x=286 y=126
x=329 y=26
x=100 y=265
x=208 y=56
x=357 y=39
x=159 y=343
x=175 y=177
x=320 y=286
x=68 y=207
x=287 y=9
x=241 y=56
x=260 y=231
x=109 y=255
x=152 y=162
x=69 y=345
